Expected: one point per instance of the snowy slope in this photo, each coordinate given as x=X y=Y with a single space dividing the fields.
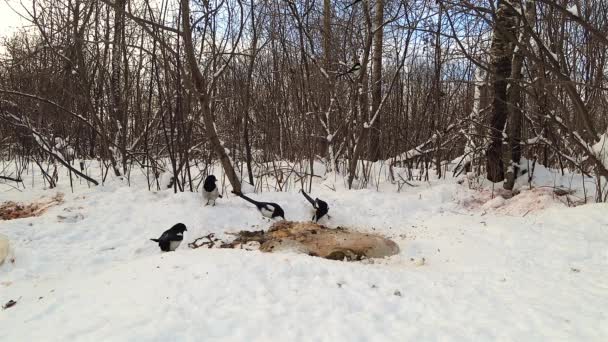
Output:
x=86 y=271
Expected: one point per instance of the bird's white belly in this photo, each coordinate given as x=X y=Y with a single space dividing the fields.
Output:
x=266 y=213
x=173 y=245
x=322 y=219
x=210 y=196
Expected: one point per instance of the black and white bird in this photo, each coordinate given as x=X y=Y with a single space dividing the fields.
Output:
x=171 y=238
x=267 y=209
x=353 y=71
x=320 y=206
x=210 y=191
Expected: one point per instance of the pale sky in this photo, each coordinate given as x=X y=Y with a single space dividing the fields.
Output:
x=9 y=20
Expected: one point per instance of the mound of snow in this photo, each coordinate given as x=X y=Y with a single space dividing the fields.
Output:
x=494 y=203
x=527 y=201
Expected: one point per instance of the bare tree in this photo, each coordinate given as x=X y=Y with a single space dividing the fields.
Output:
x=501 y=55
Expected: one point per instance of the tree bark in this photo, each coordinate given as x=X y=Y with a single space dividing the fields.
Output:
x=200 y=86
x=374 y=134
x=327 y=32
x=118 y=110
x=516 y=105
x=254 y=44
x=501 y=54
x=361 y=110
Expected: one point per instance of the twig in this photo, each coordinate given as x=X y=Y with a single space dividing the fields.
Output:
x=210 y=243
x=16 y=180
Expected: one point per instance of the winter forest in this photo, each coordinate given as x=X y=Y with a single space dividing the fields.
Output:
x=454 y=154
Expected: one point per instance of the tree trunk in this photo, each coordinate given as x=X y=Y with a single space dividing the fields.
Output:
x=515 y=101
x=327 y=31
x=501 y=54
x=437 y=93
x=361 y=110
x=200 y=86
x=254 y=44
x=118 y=110
x=374 y=134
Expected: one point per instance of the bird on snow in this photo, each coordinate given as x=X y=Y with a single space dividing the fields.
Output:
x=210 y=191
x=171 y=238
x=267 y=209
x=320 y=206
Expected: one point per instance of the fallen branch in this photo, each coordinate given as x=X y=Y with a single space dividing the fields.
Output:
x=210 y=243
x=17 y=180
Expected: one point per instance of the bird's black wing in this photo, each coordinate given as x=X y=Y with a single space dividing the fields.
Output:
x=322 y=209
x=321 y=205
x=164 y=241
x=278 y=211
x=164 y=245
x=166 y=236
x=320 y=213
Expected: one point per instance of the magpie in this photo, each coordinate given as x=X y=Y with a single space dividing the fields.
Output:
x=210 y=191
x=171 y=238
x=267 y=209
x=354 y=70
x=321 y=207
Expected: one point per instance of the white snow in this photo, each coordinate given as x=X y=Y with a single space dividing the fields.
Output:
x=573 y=10
x=554 y=56
x=601 y=149
x=4 y=248
x=494 y=203
x=527 y=269
x=533 y=141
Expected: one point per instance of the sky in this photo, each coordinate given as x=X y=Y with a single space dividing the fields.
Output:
x=9 y=20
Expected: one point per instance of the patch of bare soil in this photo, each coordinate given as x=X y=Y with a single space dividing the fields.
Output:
x=13 y=210
x=316 y=240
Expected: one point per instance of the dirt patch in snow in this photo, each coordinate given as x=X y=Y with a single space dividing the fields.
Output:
x=315 y=240
x=13 y=210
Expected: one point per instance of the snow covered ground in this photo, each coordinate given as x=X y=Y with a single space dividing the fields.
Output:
x=470 y=268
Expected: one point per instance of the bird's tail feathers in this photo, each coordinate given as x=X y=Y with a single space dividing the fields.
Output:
x=308 y=198
x=248 y=199
x=155 y=240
